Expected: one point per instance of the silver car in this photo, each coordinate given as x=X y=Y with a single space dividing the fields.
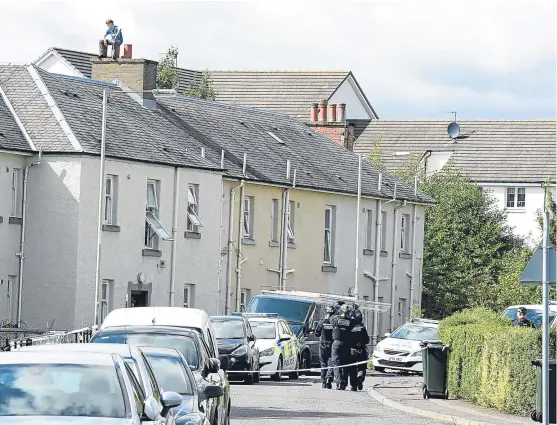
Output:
x=50 y=388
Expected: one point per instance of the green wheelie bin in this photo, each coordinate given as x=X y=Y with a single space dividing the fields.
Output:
x=537 y=414
x=435 y=358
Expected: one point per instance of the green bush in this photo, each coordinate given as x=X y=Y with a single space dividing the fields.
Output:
x=490 y=361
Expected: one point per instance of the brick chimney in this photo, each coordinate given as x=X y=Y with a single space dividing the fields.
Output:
x=137 y=74
x=331 y=122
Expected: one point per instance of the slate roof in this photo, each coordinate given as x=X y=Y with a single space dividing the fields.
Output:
x=174 y=132
x=490 y=151
x=287 y=92
x=11 y=136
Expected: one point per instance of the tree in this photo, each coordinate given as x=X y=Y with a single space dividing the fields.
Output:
x=374 y=156
x=167 y=75
x=202 y=88
x=552 y=209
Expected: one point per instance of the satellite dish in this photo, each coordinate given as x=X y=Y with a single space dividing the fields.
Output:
x=454 y=130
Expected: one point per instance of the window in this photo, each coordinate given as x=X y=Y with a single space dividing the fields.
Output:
x=110 y=201
x=380 y=314
x=275 y=220
x=516 y=197
x=107 y=292
x=244 y=298
x=401 y=311
x=383 y=230
x=193 y=209
x=188 y=296
x=153 y=227
x=248 y=218
x=369 y=230
x=290 y=221
x=328 y=250
x=10 y=295
x=405 y=233
x=16 y=192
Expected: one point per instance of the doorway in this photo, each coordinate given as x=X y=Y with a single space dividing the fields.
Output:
x=139 y=299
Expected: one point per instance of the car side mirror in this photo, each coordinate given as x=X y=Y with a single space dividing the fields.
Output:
x=223 y=359
x=387 y=334
x=169 y=400
x=214 y=365
x=211 y=391
x=152 y=408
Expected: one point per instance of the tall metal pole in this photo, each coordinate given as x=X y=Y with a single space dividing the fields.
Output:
x=100 y=211
x=284 y=235
x=357 y=265
x=545 y=322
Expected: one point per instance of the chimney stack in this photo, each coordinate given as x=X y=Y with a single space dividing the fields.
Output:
x=127 y=51
x=323 y=110
x=314 y=111
x=341 y=112
x=332 y=112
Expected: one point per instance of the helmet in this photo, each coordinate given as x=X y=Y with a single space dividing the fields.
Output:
x=522 y=310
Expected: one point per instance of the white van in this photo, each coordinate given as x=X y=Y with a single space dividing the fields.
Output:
x=191 y=318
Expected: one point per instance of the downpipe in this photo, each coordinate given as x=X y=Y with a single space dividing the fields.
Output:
x=413 y=263
x=378 y=226
x=394 y=263
x=21 y=253
x=284 y=239
x=239 y=260
x=229 y=246
x=174 y=237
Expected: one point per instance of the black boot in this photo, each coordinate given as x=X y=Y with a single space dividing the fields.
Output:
x=324 y=385
x=353 y=389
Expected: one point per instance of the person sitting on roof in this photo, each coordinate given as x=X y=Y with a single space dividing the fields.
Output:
x=113 y=36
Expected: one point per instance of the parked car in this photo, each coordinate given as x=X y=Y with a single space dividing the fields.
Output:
x=277 y=343
x=131 y=354
x=301 y=313
x=174 y=374
x=402 y=349
x=534 y=313
x=77 y=388
x=206 y=369
x=235 y=339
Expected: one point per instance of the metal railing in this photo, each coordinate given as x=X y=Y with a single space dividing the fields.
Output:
x=78 y=336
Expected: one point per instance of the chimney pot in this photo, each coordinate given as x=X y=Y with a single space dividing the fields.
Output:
x=332 y=112
x=341 y=112
x=314 y=110
x=127 y=51
x=323 y=110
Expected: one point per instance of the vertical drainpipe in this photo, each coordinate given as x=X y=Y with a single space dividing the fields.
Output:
x=394 y=263
x=21 y=253
x=173 y=255
x=378 y=227
x=219 y=263
x=413 y=263
x=284 y=239
x=229 y=246
x=239 y=260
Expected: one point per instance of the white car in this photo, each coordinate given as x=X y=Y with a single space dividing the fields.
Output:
x=278 y=345
x=402 y=349
x=534 y=313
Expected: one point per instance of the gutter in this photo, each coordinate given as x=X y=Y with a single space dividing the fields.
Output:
x=394 y=263
x=21 y=253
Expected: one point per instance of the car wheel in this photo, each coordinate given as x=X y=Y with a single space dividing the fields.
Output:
x=295 y=375
x=257 y=375
x=277 y=376
x=305 y=362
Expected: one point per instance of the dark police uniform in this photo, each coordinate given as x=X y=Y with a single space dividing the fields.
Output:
x=522 y=322
x=342 y=329
x=324 y=330
x=358 y=351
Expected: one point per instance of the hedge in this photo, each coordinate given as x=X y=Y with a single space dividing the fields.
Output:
x=490 y=361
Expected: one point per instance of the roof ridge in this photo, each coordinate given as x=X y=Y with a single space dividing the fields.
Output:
x=377 y=121
x=282 y=71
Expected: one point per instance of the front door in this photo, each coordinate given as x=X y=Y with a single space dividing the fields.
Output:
x=139 y=299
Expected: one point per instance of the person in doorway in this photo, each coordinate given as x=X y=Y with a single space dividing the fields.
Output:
x=521 y=320
x=324 y=330
x=340 y=353
x=113 y=36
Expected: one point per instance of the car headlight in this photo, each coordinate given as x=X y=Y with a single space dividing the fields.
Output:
x=241 y=351
x=267 y=352
x=416 y=354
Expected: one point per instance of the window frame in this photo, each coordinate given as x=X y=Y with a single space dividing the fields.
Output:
x=110 y=216
x=193 y=222
x=275 y=214
x=105 y=300
x=290 y=222
x=514 y=204
x=16 y=192
x=383 y=244
x=369 y=229
x=248 y=218
x=405 y=233
x=328 y=229
x=187 y=302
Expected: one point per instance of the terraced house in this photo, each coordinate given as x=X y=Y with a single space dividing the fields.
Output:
x=200 y=199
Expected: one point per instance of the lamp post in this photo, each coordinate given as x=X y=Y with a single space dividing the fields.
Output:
x=102 y=180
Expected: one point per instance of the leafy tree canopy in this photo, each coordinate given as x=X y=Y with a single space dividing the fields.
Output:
x=167 y=75
x=202 y=88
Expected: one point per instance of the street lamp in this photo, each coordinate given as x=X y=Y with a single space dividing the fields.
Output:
x=102 y=179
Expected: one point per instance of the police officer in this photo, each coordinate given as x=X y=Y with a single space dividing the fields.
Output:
x=521 y=319
x=324 y=330
x=359 y=340
x=342 y=327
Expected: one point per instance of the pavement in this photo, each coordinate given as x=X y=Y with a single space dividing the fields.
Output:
x=404 y=393
x=303 y=401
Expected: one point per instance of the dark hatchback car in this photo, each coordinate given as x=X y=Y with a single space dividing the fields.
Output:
x=188 y=342
x=172 y=371
x=237 y=341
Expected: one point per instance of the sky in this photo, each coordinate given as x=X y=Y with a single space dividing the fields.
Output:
x=414 y=59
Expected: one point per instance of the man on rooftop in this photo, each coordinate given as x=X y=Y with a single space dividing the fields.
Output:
x=113 y=37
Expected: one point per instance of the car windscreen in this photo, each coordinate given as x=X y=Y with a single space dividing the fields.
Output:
x=183 y=344
x=264 y=330
x=228 y=328
x=415 y=333
x=170 y=373
x=60 y=390
x=535 y=316
x=295 y=312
